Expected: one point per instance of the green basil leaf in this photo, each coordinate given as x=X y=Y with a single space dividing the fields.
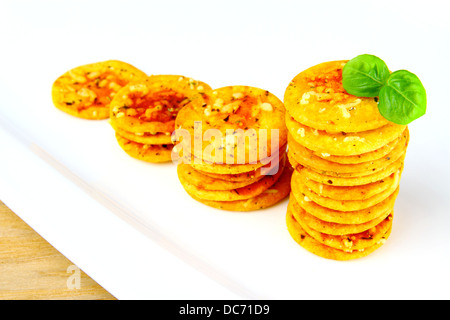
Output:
x=364 y=75
x=403 y=99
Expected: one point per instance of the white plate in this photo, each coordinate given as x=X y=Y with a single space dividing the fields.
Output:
x=130 y=225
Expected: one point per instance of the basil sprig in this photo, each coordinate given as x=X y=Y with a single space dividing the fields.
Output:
x=402 y=97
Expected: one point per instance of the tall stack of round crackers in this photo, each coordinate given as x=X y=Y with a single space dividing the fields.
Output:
x=348 y=161
x=236 y=159
x=143 y=114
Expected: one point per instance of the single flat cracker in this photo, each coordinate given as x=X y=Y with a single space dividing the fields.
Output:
x=86 y=91
x=233 y=169
x=145 y=152
x=348 y=144
x=152 y=104
x=348 y=242
x=348 y=181
x=361 y=192
x=276 y=193
x=359 y=158
x=145 y=138
x=345 y=217
x=332 y=228
x=343 y=205
x=317 y=99
x=242 y=193
x=202 y=181
x=306 y=158
x=246 y=124
x=310 y=244
x=244 y=176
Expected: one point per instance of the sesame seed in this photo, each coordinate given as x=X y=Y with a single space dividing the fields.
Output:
x=305 y=98
x=237 y=95
x=266 y=106
x=354 y=138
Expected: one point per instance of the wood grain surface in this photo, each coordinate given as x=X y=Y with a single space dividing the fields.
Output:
x=31 y=269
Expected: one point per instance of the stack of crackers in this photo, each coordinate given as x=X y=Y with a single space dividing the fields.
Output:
x=143 y=114
x=348 y=161
x=236 y=159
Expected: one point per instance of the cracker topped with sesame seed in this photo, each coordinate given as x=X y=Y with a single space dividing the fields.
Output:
x=343 y=143
x=343 y=217
x=231 y=192
x=268 y=198
x=204 y=181
x=236 y=113
x=145 y=137
x=307 y=158
x=143 y=113
x=346 y=247
x=301 y=190
x=151 y=105
x=145 y=152
x=87 y=91
x=239 y=175
x=337 y=234
x=317 y=99
x=215 y=181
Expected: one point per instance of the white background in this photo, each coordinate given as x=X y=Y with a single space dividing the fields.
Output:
x=130 y=225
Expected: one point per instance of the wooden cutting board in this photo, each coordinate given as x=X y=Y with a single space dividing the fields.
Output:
x=31 y=269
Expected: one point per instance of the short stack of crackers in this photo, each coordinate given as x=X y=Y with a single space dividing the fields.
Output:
x=217 y=170
x=348 y=161
x=143 y=114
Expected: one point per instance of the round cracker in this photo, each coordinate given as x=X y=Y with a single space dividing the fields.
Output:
x=343 y=144
x=227 y=168
x=317 y=99
x=359 y=158
x=308 y=159
x=332 y=228
x=347 y=242
x=345 y=217
x=202 y=181
x=235 y=124
x=342 y=205
x=233 y=169
x=152 y=104
x=310 y=244
x=242 y=193
x=361 y=192
x=348 y=181
x=245 y=176
x=86 y=91
x=279 y=191
x=145 y=138
x=145 y=152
